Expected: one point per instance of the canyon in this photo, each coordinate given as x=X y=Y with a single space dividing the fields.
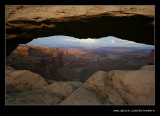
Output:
x=87 y=60
x=45 y=76
x=116 y=87
x=77 y=63
x=45 y=61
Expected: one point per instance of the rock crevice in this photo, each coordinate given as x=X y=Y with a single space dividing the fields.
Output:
x=138 y=88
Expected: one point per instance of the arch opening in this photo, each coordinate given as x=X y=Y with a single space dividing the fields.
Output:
x=122 y=22
x=69 y=58
x=68 y=41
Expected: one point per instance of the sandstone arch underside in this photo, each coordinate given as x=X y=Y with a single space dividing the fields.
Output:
x=25 y=23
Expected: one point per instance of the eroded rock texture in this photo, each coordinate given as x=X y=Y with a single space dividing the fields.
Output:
x=117 y=87
x=136 y=87
x=24 y=87
x=45 y=61
x=41 y=60
x=24 y=23
x=23 y=80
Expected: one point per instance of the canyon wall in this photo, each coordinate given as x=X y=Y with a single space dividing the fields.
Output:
x=45 y=61
x=41 y=60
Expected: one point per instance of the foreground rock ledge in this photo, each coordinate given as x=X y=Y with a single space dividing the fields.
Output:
x=117 y=87
x=25 y=23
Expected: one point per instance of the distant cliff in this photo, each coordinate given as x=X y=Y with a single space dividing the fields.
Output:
x=64 y=51
x=40 y=60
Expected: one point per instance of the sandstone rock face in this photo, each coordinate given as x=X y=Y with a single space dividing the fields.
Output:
x=49 y=95
x=21 y=51
x=136 y=87
x=98 y=82
x=23 y=80
x=113 y=97
x=62 y=88
x=117 y=87
x=35 y=97
x=83 y=96
x=31 y=12
x=124 y=87
x=24 y=23
x=24 y=87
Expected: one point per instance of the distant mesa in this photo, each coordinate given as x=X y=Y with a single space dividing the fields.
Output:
x=45 y=61
x=64 y=51
x=21 y=50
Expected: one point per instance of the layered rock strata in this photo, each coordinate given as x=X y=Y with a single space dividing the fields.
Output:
x=41 y=60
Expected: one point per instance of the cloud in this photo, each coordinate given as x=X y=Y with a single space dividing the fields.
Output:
x=85 y=41
x=59 y=41
x=121 y=40
x=131 y=42
x=112 y=41
x=124 y=41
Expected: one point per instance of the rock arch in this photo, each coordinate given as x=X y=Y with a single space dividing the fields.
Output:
x=24 y=23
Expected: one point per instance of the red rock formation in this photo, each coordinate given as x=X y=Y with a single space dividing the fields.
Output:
x=64 y=51
x=21 y=50
x=40 y=60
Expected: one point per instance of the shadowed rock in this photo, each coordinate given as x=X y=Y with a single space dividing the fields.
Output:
x=98 y=82
x=25 y=23
x=40 y=60
x=23 y=80
x=24 y=87
x=136 y=87
x=83 y=96
x=117 y=87
x=62 y=88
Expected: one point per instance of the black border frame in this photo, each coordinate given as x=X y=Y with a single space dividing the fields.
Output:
x=80 y=109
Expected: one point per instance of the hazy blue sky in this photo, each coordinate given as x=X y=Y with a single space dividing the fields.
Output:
x=67 y=41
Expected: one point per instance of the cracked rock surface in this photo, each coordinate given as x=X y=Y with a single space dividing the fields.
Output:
x=116 y=87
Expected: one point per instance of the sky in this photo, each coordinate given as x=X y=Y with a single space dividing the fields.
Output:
x=67 y=41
